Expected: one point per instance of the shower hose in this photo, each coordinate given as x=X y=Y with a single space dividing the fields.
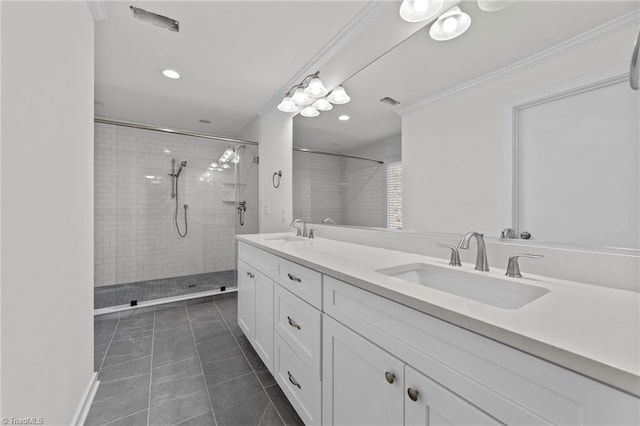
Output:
x=175 y=216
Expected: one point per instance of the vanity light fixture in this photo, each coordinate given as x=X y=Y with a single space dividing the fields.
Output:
x=172 y=74
x=419 y=10
x=309 y=112
x=322 y=104
x=338 y=96
x=450 y=25
x=493 y=5
x=310 y=96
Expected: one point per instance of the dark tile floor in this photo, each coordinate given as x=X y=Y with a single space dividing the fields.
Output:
x=184 y=365
x=123 y=294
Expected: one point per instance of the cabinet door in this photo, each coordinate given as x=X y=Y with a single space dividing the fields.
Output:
x=362 y=384
x=263 y=342
x=428 y=403
x=246 y=300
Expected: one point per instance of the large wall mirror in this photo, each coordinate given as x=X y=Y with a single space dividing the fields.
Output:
x=525 y=121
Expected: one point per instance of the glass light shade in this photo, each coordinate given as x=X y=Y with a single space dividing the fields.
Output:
x=236 y=159
x=299 y=97
x=309 y=112
x=315 y=88
x=322 y=104
x=338 y=96
x=419 y=10
x=287 y=105
x=225 y=166
x=450 y=25
x=493 y=5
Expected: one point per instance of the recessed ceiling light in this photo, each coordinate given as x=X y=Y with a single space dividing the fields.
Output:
x=343 y=117
x=171 y=74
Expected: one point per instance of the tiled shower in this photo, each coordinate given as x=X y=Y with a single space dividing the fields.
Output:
x=139 y=255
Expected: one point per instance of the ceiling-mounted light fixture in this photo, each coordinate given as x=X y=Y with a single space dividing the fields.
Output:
x=450 y=25
x=172 y=74
x=338 y=96
x=309 y=112
x=344 y=117
x=419 y=10
x=494 y=5
x=310 y=96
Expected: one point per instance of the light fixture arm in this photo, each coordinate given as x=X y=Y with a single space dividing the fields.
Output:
x=303 y=84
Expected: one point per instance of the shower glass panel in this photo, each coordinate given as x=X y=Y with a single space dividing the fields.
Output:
x=140 y=255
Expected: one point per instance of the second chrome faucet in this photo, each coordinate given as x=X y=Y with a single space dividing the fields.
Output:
x=481 y=258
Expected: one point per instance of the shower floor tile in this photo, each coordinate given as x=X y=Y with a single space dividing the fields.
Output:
x=189 y=377
x=123 y=294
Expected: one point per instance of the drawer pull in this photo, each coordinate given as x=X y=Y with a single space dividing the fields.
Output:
x=390 y=377
x=293 y=324
x=294 y=278
x=413 y=394
x=293 y=380
x=250 y=275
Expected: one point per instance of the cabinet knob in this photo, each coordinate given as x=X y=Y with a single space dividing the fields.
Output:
x=293 y=380
x=294 y=278
x=293 y=324
x=390 y=377
x=413 y=394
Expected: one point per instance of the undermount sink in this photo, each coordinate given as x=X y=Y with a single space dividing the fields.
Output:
x=285 y=239
x=495 y=291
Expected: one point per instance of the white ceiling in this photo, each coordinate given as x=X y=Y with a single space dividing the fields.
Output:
x=233 y=57
x=421 y=67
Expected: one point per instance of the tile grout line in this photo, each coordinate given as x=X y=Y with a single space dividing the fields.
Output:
x=128 y=415
x=108 y=347
x=204 y=378
x=247 y=359
x=153 y=337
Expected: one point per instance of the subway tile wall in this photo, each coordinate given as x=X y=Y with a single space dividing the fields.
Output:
x=135 y=234
x=350 y=191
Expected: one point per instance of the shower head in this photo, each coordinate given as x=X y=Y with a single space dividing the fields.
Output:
x=182 y=165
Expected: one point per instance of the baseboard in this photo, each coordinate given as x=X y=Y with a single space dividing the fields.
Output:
x=85 y=403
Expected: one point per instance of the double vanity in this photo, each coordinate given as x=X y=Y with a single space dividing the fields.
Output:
x=363 y=335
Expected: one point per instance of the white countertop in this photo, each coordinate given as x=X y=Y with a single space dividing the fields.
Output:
x=592 y=330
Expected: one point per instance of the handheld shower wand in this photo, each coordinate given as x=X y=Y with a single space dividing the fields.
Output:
x=174 y=194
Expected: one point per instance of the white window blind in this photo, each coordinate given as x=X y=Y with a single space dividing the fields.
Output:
x=394 y=195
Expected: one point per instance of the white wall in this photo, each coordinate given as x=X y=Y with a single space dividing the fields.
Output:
x=452 y=147
x=276 y=145
x=136 y=237
x=47 y=208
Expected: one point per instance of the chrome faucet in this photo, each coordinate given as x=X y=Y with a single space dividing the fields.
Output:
x=299 y=233
x=508 y=233
x=328 y=221
x=481 y=259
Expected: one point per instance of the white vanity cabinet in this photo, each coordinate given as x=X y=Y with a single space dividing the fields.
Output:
x=343 y=355
x=362 y=384
x=255 y=300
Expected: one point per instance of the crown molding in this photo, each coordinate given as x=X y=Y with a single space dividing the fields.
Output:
x=593 y=34
x=98 y=9
x=354 y=26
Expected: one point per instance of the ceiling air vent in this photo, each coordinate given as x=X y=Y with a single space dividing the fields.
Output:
x=389 y=101
x=155 y=19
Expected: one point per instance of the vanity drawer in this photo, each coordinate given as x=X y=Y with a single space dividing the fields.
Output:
x=301 y=386
x=299 y=325
x=303 y=282
x=266 y=263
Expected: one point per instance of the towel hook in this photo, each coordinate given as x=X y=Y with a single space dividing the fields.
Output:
x=273 y=179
